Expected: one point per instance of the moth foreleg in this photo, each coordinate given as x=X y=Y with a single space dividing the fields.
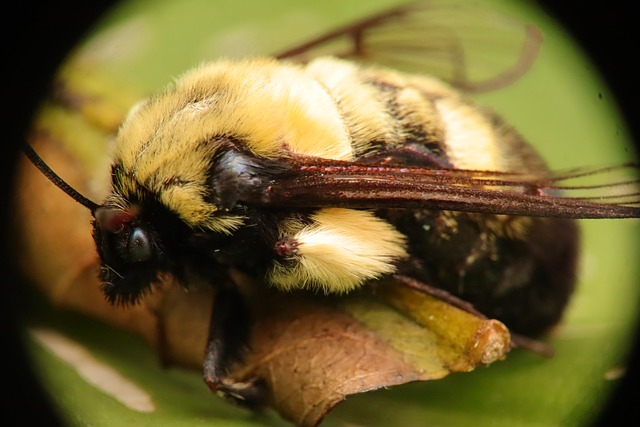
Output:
x=229 y=333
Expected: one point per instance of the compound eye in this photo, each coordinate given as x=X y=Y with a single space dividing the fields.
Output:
x=139 y=246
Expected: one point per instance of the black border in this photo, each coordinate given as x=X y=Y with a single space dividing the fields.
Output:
x=609 y=32
x=37 y=36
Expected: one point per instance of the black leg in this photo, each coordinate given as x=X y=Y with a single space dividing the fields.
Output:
x=229 y=333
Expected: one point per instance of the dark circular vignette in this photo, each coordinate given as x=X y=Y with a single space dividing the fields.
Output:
x=37 y=37
x=608 y=32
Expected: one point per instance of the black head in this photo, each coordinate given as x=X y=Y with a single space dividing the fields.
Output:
x=142 y=243
x=131 y=251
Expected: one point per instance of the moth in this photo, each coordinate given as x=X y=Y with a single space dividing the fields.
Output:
x=322 y=170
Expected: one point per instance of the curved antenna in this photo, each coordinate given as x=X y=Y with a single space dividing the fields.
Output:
x=56 y=180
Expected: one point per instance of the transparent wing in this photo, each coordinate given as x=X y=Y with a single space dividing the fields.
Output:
x=471 y=47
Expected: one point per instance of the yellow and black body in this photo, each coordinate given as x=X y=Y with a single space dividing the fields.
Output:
x=185 y=159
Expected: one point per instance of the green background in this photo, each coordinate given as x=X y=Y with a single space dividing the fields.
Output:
x=560 y=106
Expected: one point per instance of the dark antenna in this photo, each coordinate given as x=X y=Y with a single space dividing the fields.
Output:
x=59 y=182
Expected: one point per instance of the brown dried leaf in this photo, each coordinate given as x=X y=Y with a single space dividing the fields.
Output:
x=312 y=351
